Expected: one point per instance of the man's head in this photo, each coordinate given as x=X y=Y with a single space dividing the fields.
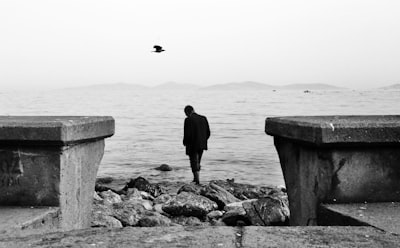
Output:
x=188 y=110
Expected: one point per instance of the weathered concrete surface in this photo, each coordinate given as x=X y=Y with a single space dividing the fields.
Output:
x=54 y=129
x=340 y=164
x=326 y=130
x=250 y=236
x=382 y=215
x=52 y=161
x=28 y=220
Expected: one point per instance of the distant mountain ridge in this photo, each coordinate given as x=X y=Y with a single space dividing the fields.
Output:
x=247 y=85
x=391 y=87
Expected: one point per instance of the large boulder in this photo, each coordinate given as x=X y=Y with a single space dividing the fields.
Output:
x=109 y=197
x=132 y=193
x=191 y=188
x=248 y=191
x=164 y=198
x=267 y=211
x=100 y=219
x=143 y=185
x=189 y=204
x=236 y=217
x=151 y=219
x=128 y=213
x=218 y=195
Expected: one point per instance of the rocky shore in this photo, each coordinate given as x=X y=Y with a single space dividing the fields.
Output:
x=138 y=202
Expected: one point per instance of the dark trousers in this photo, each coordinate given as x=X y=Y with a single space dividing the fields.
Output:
x=195 y=159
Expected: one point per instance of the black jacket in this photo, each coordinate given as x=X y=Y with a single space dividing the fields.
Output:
x=196 y=133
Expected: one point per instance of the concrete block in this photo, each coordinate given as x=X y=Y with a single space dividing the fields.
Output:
x=338 y=159
x=52 y=161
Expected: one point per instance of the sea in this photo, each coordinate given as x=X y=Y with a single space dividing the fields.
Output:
x=149 y=125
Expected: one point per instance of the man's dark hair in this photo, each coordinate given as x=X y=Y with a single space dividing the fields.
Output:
x=188 y=109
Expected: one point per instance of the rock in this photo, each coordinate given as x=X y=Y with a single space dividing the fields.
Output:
x=132 y=193
x=109 y=197
x=96 y=197
x=143 y=185
x=128 y=213
x=146 y=195
x=158 y=209
x=148 y=205
x=236 y=217
x=267 y=211
x=218 y=195
x=215 y=214
x=237 y=205
x=248 y=191
x=99 y=219
x=164 y=167
x=189 y=204
x=152 y=219
x=164 y=198
x=188 y=221
x=192 y=188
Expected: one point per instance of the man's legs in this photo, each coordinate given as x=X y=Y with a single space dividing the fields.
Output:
x=195 y=159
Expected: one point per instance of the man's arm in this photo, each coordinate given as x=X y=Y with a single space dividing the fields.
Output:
x=186 y=132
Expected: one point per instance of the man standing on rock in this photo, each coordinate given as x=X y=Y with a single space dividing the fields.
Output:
x=195 y=136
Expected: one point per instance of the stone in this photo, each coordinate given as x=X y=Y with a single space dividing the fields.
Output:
x=96 y=197
x=236 y=217
x=152 y=219
x=100 y=219
x=132 y=193
x=189 y=204
x=110 y=197
x=215 y=214
x=146 y=195
x=191 y=188
x=148 y=205
x=218 y=195
x=164 y=167
x=247 y=191
x=164 y=198
x=237 y=205
x=267 y=211
x=188 y=221
x=158 y=209
x=128 y=213
x=143 y=185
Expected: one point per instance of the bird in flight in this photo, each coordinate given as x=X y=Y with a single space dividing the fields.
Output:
x=158 y=48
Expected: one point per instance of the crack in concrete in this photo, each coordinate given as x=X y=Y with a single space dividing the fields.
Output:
x=239 y=233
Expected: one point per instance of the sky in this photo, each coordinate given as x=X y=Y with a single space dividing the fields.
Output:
x=69 y=43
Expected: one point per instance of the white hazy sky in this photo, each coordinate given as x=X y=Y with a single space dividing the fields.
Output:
x=351 y=43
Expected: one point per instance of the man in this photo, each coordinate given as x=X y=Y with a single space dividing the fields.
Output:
x=195 y=136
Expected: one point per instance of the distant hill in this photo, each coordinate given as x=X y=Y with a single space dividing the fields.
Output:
x=311 y=87
x=391 y=87
x=175 y=86
x=115 y=86
x=249 y=85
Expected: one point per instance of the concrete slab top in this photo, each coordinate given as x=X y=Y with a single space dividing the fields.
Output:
x=15 y=218
x=382 y=215
x=338 y=129
x=54 y=129
x=249 y=236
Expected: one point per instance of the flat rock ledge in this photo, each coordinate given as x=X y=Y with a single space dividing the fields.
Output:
x=217 y=236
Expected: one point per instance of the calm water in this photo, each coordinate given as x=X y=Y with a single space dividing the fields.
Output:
x=149 y=126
